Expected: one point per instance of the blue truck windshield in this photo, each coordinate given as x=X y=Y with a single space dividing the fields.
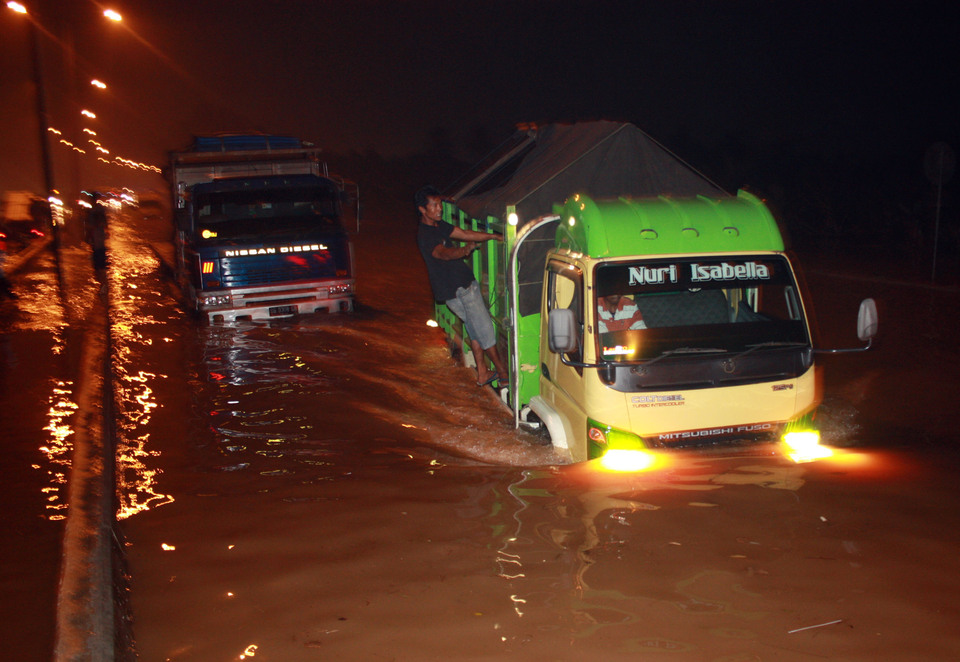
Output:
x=265 y=212
x=644 y=309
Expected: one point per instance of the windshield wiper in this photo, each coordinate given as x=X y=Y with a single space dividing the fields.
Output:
x=641 y=368
x=764 y=345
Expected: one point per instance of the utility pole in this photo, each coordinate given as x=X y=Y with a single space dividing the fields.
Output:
x=42 y=119
x=938 y=165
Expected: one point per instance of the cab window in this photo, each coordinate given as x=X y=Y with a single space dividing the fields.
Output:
x=565 y=290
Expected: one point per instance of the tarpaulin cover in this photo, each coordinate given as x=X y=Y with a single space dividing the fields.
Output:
x=243 y=143
x=539 y=167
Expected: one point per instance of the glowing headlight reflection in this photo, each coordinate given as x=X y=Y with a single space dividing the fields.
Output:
x=627 y=460
x=805 y=446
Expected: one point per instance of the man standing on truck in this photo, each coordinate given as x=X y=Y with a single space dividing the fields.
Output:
x=453 y=283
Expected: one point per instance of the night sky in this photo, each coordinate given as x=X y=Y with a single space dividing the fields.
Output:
x=829 y=79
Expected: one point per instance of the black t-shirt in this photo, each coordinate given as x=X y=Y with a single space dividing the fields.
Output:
x=446 y=276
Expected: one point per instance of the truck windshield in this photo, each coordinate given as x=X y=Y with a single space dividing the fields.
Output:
x=644 y=309
x=247 y=214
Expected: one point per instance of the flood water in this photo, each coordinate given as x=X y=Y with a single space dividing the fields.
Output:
x=338 y=488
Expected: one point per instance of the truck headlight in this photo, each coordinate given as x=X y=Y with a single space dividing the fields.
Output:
x=802 y=439
x=627 y=461
x=804 y=446
x=617 y=449
x=216 y=301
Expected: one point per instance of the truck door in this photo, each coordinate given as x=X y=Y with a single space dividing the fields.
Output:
x=563 y=384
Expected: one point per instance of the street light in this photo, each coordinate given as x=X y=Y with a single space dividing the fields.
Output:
x=46 y=159
x=41 y=102
x=41 y=105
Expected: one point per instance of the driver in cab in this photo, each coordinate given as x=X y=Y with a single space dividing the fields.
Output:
x=616 y=312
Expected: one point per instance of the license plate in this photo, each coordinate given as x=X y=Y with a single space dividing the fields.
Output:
x=283 y=310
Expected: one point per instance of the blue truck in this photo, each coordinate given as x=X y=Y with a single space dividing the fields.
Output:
x=259 y=229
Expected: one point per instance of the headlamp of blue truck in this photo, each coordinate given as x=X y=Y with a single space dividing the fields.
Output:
x=216 y=301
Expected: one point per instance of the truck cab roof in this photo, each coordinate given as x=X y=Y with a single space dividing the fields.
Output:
x=667 y=225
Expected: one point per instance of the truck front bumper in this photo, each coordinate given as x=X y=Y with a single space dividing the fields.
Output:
x=276 y=302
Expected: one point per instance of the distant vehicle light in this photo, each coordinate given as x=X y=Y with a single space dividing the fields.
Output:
x=208 y=234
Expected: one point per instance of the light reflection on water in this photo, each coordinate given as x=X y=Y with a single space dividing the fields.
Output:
x=40 y=309
x=541 y=557
x=135 y=302
x=594 y=550
x=39 y=304
x=59 y=449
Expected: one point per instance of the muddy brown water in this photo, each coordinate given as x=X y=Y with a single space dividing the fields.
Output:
x=338 y=488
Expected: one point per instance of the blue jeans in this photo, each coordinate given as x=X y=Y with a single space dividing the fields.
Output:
x=472 y=309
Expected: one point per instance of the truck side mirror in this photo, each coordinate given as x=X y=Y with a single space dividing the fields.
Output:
x=867 y=320
x=866 y=328
x=562 y=331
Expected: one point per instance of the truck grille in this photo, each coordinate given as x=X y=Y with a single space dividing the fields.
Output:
x=264 y=269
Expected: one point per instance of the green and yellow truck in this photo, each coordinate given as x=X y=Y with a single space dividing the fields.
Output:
x=650 y=322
